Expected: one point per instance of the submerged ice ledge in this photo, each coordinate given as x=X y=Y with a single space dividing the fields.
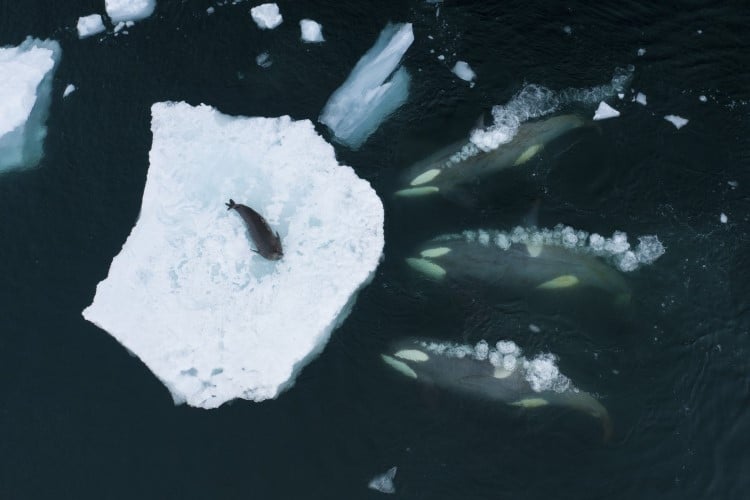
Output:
x=213 y=320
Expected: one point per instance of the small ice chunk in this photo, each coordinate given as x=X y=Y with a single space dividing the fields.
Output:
x=677 y=121
x=534 y=329
x=119 y=26
x=441 y=57
x=640 y=98
x=384 y=482
x=605 y=111
x=187 y=294
x=702 y=98
x=89 y=25
x=210 y=10
x=723 y=218
x=266 y=16
x=373 y=89
x=25 y=93
x=620 y=95
x=129 y=10
x=312 y=32
x=69 y=89
x=264 y=60
x=464 y=71
x=700 y=32
x=733 y=184
x=567 y=29
x=641 y=52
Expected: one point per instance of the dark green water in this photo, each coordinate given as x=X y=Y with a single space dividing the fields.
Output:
x=81 y=418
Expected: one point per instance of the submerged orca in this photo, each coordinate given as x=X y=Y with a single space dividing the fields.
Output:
x=267 y=242
x=462 y=162
x=490 y=374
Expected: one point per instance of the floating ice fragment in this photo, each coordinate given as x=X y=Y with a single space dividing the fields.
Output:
x=464 y=71
x=266 y=16
x=264 y=60
x=677 y=121
x=372 y=91
x=605 y=111
x=733 y=184
x=640 y=98
x=187 y=294
x=384 y=482
x=641 y=52
x=534 y=329
x=119 y=26
x=723 y=218
x=129 y=10
x=210 y=10
x=89 y=25
x=69 y=89
x=312 y=32
x=702 y=98
x=567 y=29
x=25 y=88
x=441 y=57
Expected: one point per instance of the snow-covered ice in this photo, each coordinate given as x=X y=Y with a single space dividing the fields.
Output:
x=69 y=89
x=372 y=91
x=266 y=16
x=464 y=71
x=640 y=98
x=25 y=93
x=129 y=10
x=89 y=25
x=311 y=32
x=677 y=121
x=605 y=111
x=384 y=482
x=210 y=318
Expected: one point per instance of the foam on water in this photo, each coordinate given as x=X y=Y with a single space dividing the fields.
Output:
x=540 y=371
x=212 y=319
x=536 y=101
x=25 y=93
x=615 y=249
x=373 y=89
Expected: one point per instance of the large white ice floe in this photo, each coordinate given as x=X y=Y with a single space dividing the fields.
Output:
x=536 y=101
x=129 y=10
x=25 y=89
x=212 y=319
x=605 y=111
x=464 y=71
x=373 y=89
x=266 y=16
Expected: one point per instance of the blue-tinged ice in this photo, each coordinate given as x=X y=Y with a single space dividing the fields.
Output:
x=373 y=90
x=384 y=482
x=25 y=88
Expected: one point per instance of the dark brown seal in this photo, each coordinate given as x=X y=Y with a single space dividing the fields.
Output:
x=268 y=242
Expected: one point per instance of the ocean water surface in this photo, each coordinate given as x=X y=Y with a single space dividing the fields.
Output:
x=81 y=418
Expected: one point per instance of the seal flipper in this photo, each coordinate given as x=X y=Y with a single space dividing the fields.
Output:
x=230 y=205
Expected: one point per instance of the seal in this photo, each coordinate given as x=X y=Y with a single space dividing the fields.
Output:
x=268 y=242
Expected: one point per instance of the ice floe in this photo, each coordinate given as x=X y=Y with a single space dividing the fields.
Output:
x=605 y=111
x=640 y=98
x=209 y=317
x=373 y=89
x=536 y=101
x=311 y=31
x=89 y=25
x=25 y=93
x=266 y=16
x=677 y=121
x=129 y=10
x=384 y=482
x=464 y=71
x=69 y=89
x=723 y=218
x=264 y=60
